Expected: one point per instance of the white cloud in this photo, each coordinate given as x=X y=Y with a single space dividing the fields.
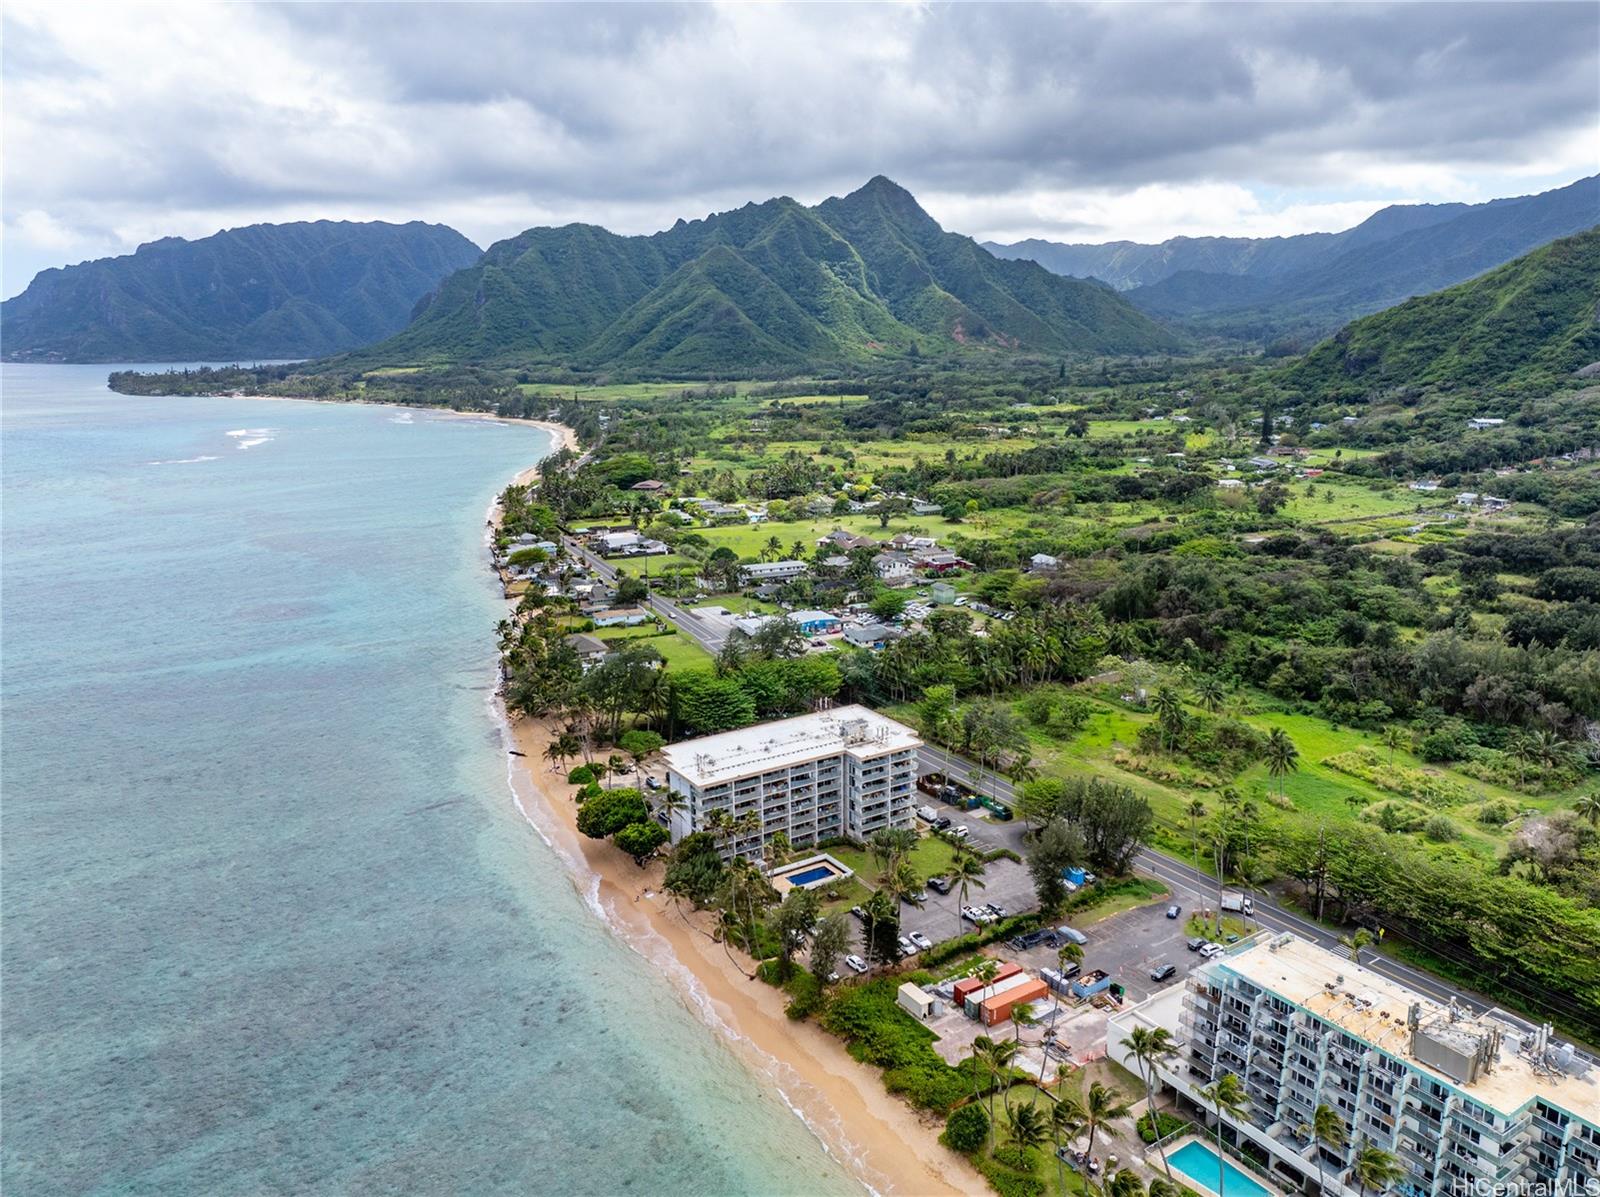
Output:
x=1090 y=121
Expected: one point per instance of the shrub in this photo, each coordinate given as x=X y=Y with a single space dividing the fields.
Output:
x=1441 y=829
x=1008 y=1182
x=805 y=995
x=582 y=775
x=876 y=1031
x=967 y=1129
x=1166 y=1124
x=1496 y=813
x=1369 y=765
x=640 y=840
x=1012 y=1156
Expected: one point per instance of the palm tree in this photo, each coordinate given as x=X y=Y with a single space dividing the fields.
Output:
x=770 y=550
x=1210 y=693
x=1151 y=1047
x=1353 y=944
x=967 y=870
x=1283 y=758
x=1125 y=1184
x=1102 y=1105
x=1588 y=806
x=996 y=1055
x=1227 y=1096
x=1329 y=1131
x=1067 y=953
x=552 y=753
x=1066 y=1122
x=1160 y=1186
x=1393 y=738
x=1021 y=1017
x=1196 y=810
x=1026 y=1126
x=1521 y=750
x=1374 y=1168
x=1169 y=713
x=615 y=766
x=669 y=803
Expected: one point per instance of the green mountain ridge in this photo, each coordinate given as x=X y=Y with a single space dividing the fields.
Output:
x=1532 y=320
x=1304 y=287
x=266 y=291
x=774 y=285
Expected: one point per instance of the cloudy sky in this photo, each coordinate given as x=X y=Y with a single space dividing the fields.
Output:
x=1077 y=123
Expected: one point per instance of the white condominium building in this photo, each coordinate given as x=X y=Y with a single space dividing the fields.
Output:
x=1463 y=1101
x=845 y=772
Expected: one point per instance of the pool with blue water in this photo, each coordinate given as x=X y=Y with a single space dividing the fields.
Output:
x=1200 y=1164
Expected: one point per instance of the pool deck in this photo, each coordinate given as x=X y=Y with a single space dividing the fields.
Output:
x=782 y=877
x=1203 y=1189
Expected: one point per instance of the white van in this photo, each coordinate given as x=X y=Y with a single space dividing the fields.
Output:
x=927 y=814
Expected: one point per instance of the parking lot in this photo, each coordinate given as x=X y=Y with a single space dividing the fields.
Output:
x=1005 y=882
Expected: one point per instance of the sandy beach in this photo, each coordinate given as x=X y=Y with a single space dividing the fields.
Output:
x=890 y=1147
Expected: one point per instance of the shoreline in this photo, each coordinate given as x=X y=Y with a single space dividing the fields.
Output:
x=565 y=437
x=887 y=1146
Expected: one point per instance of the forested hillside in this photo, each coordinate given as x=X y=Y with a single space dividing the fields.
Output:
x=769 y=286
x=266 y=291
x=1530 y=321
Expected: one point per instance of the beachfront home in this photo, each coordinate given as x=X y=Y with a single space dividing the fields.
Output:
x=591 y=650
x=848 y=771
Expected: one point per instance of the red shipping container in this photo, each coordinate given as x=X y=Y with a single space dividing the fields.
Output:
x=999 y=1007
x=968 y=986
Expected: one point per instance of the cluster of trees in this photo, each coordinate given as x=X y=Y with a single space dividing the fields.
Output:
x=1108 y=822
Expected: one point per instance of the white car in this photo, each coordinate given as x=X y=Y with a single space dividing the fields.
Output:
x=907 y=948
x=855 y=964
x=972 y=914
x=1212 y=949
x=921 y=940
x=960 y=832
x=962 y=601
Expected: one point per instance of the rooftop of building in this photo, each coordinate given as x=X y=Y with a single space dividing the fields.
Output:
x=727 y=755
x=1376 y=1010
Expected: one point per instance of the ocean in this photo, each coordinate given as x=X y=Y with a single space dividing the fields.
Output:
x=272 y=922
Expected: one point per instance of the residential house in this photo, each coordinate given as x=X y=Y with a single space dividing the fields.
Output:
x=591 y=650
x=893 y=569
x=846 y=542
x=942 y=593
x=649 y=486
x=772 y=571
x=872 y=635
x=1479 y=423
x=1425 y=486
x=941 y=563
x=1230 y=483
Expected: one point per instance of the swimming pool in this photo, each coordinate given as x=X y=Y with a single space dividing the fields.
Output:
x=808 y=873
x=1199 y=1162
x=811 y=876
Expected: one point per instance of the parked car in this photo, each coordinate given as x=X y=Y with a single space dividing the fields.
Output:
x=819 y=642
x=906 y=947
x=855 y=964
x=942 y=823
x=1196 y=943
x=927 y=814
x=973 y=915
x=997 y=910
x=1162 y=972
x=941 y=884
x=918 y=898
x=1212 y=949
x=960 y=832
x=1174 y=911
x=651 y=783
x=922 y=941
x=858 y=912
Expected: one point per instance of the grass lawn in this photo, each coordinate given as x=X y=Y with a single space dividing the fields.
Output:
x=679 y=651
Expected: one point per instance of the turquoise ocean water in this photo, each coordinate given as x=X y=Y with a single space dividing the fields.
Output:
x=272 y=923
